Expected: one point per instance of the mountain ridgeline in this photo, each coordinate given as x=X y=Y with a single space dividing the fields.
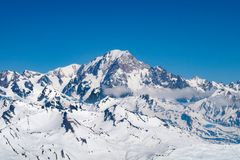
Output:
x=95 y=101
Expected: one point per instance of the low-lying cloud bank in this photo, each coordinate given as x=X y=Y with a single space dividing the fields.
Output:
x=170 y=93
x=117 y=91
x=157 y=92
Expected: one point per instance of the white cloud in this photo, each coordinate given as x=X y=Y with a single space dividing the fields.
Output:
x=157 y=92
x=171 y=93
x=117 y=91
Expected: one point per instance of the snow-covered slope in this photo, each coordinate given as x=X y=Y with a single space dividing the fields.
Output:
x=116 y=107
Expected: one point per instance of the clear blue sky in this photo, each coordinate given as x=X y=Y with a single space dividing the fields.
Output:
x=189 y=37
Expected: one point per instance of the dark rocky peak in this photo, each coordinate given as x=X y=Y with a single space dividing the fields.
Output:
x=30 y=74
x=44 y=81
x=203 y=84
x=159 y=76
x=113 y=60
x=235 y=86
x=6 y=77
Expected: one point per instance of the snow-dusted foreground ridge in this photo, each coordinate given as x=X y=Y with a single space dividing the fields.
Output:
x=116 y=107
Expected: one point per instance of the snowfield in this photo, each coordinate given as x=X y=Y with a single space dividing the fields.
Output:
x=117 y=108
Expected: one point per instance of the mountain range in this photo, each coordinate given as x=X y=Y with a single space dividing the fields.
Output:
x=116 y=107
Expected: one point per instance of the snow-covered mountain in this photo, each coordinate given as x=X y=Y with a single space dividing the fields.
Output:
x=116 y=107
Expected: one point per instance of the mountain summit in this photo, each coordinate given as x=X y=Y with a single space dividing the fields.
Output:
x=114 y=107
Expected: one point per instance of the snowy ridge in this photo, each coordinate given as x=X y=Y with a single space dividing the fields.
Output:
x=116 y=107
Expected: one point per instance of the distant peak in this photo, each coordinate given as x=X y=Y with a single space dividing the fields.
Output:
x=29 y=74
x=116 y=53
x=69 y=67
x=67 y=71
x=198 y=78
x=159 y=68
x=9 y=72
